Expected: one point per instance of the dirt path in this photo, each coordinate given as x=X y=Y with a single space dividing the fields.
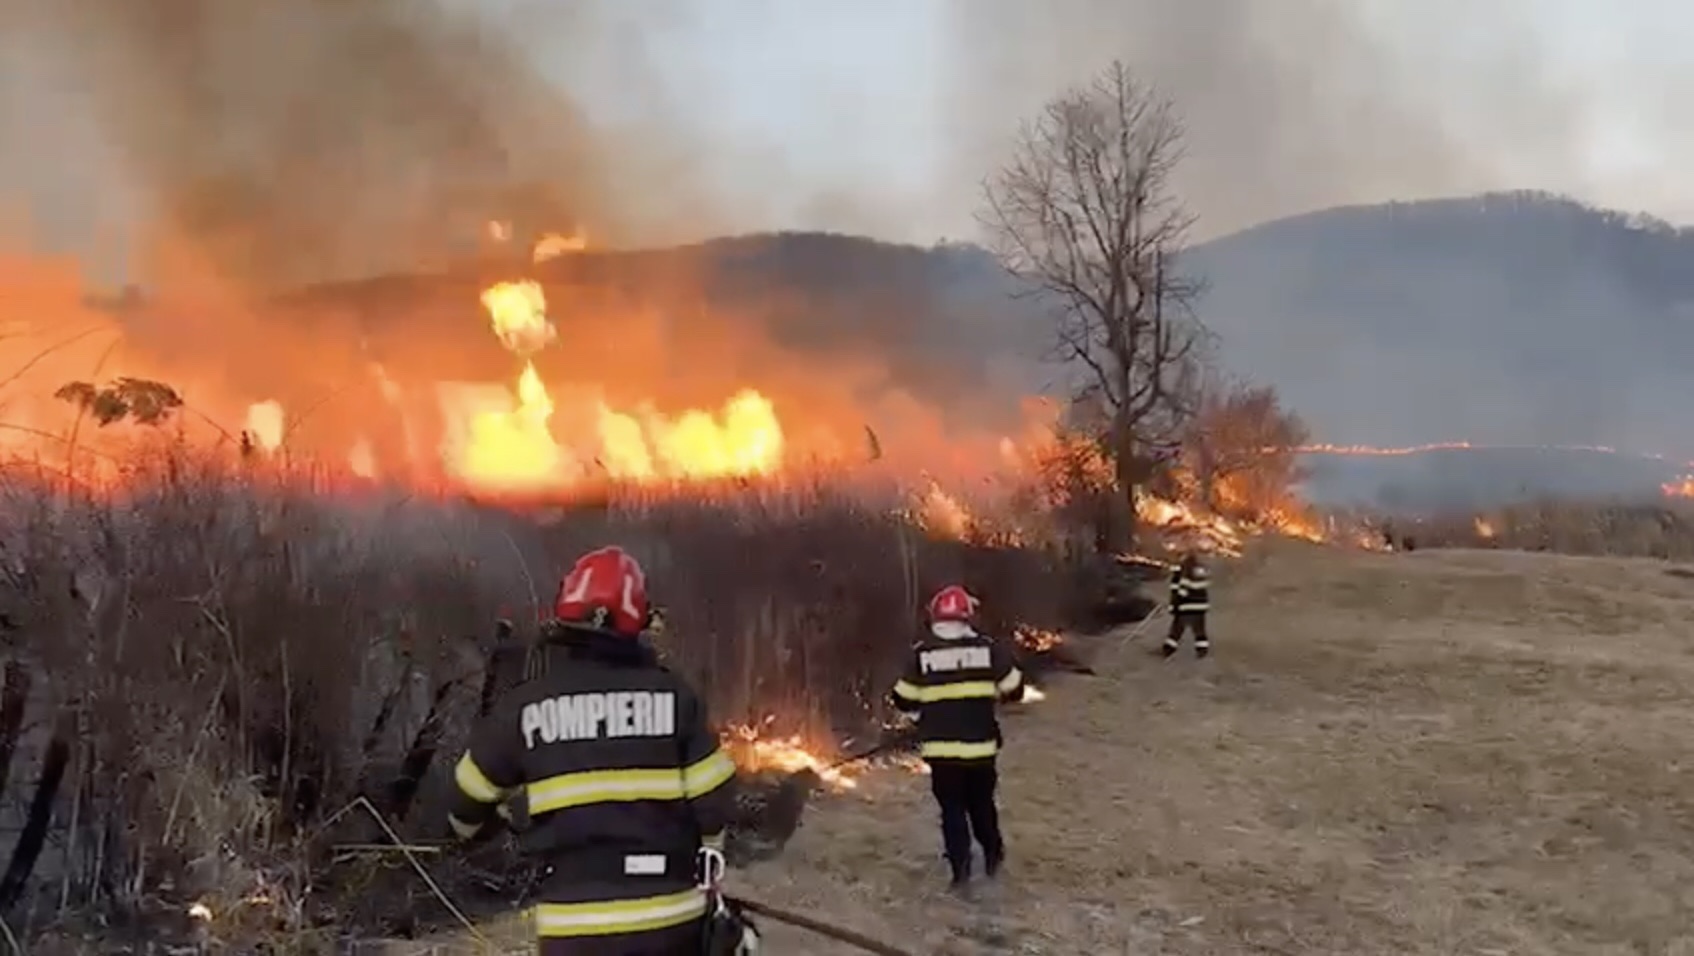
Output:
x=1441 y=753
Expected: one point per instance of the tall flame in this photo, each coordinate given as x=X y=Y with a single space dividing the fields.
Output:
x=502 y=440
x=513 y=446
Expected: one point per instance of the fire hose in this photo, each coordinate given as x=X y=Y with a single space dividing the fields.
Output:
x=893 y=742
x=837 y=933
x=1142 y=627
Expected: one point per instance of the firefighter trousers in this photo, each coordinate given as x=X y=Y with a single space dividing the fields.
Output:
x=1181 y=623
x=965 y=791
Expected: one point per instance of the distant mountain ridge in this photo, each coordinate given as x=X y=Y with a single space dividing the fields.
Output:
x=1504 y=319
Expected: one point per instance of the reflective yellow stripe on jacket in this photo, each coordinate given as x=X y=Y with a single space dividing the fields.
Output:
x=957 y=749
x=1190 y=593
x=475 y=783
x=554 y=920
x=621 y=786
x=959 y=690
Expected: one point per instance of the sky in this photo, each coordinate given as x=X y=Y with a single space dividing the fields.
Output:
x=686 y=118
x=845 y=97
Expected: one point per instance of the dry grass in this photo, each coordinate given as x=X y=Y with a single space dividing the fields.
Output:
x=1436 y=753
x=223 y=661
x=1653 y=529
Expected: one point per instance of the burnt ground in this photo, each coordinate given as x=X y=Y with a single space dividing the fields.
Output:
x=1433 y=753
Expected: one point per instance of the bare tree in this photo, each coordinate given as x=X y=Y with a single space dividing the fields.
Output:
x=1084 y=213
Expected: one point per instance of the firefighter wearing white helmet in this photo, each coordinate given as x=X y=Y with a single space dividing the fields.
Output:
x=953 y=680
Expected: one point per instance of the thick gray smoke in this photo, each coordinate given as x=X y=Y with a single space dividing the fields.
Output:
x=317 y=138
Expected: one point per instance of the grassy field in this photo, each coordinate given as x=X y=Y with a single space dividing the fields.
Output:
x=1435 y=753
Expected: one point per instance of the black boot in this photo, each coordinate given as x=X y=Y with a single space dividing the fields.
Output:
x=961 y=881
x=1168 y=649
x=1200 y=653
x=991 y=863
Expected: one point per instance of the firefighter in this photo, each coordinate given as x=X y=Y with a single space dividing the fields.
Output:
x=627 y=790
x=952 y=681
x=1191 y=590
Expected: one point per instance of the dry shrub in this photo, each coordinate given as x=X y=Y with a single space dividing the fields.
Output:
x=1659 y=529
x=225 y=661
x=1239 y=454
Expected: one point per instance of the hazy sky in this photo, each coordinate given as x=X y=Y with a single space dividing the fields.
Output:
x=882 y=116
x=849 y=98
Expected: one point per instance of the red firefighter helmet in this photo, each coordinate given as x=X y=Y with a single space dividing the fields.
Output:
x=606 y=590
x=952 y=603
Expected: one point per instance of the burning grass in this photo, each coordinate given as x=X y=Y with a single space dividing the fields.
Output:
x=219 y=660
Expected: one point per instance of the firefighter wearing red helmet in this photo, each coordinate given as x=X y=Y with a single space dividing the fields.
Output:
x=628 y=792
x=953 y=681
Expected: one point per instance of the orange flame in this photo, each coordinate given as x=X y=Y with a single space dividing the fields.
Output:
x=266 y=425
x=1035 y=638
x=753 y=751
x=943 y=515
x=1373 y=450
x=501 y=441
x=553 y=245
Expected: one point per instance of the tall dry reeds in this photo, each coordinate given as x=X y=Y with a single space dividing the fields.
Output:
x=211 y=660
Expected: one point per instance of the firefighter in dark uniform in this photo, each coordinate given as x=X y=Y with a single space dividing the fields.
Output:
x=1191 y=598
x=623 y=777
x=953 y=681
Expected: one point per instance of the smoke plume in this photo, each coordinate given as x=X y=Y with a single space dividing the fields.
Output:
x=321 y=138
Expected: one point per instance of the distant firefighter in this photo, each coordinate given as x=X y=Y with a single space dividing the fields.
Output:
x=1191 y=592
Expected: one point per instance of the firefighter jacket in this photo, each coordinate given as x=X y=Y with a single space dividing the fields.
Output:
x=1191 y=588
x=624 y=781
x=952 y=682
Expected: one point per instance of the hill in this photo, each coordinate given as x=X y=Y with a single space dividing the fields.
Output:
x=1441 y=752
x=1504 y=319
x=938 y=322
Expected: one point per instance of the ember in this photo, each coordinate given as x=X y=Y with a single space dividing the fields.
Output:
x=1035 y=638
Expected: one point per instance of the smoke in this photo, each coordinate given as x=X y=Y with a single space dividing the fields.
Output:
x=1290 y=106
x=282 y=142
x=385 y=131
